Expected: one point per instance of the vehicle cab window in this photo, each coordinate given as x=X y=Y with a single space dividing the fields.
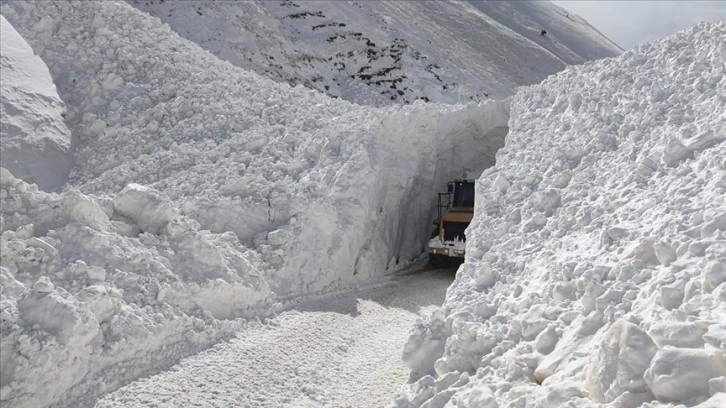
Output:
x=464 y=195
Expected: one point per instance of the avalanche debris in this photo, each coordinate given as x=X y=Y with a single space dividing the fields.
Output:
x=603 y=221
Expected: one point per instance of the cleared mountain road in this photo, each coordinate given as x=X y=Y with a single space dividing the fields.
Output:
x=343 y=351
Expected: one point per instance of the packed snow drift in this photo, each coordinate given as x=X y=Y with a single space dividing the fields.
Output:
x=596 y=261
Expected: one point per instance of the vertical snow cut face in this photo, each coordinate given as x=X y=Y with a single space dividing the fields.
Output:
x=596 y=261
x=201 y=193
x=385 y=213
x=35 y=140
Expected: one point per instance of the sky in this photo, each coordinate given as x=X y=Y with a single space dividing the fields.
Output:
x=630 y=23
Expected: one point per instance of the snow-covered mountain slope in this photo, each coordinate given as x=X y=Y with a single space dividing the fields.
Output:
x=35 y=140
x=380 y=53
x=568 y=36
x=596 y=261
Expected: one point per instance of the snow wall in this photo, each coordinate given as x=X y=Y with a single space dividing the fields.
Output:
x=200 y=193
x=382 y=201
x=35 y=140
x=596 y=261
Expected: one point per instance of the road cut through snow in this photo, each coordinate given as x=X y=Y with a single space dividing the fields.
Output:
x=343 y=351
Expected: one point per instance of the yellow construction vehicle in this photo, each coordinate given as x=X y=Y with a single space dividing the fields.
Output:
x=455 y=211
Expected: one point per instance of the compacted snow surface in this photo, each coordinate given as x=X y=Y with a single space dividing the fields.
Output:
x=342 y=351
x=596 y=261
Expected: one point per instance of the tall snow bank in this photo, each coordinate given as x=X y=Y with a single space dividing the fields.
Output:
x=595 y=269
x=201 y=193
x=92 y=297
x=35 y=140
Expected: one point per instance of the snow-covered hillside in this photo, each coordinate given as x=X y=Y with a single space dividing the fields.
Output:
x=384 y=52
x=596 y=262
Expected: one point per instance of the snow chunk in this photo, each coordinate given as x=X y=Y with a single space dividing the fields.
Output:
x=679 y=334
x=61 y=317
x=718 y=400
x=618 y=365
x=145 y=207
x=682 y=375
x=425 y=344
x=476 y=397
x=715 y=275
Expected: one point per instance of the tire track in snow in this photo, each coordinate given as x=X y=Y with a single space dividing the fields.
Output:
x=344 y=351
